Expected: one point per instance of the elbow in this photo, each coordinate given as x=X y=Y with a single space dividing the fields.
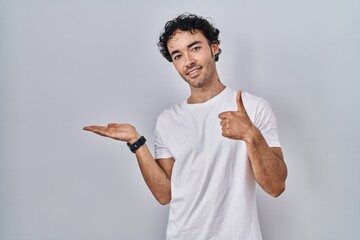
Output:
x=164 y=200
x=278 y=190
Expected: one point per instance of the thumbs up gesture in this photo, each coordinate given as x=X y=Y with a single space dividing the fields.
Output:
x=237 y=124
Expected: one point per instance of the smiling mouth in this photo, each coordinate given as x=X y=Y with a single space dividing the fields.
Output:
x=193 y=70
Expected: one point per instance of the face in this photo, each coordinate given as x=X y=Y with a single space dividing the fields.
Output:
x=193 y=57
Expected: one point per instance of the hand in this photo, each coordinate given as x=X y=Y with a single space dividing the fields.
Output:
x=122 y=132
x=237 y=124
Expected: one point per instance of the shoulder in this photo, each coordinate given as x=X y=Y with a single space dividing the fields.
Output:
x=251 y=99
x=258 y=109
x=246 y=96
x=251 y=102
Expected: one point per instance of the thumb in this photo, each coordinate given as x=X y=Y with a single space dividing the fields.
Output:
x=239 y=102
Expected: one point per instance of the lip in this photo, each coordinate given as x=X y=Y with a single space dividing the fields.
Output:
x=188 y=72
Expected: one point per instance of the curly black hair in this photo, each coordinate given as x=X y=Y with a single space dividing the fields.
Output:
x=191 y=23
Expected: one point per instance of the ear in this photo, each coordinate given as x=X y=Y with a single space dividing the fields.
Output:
x=215 y=48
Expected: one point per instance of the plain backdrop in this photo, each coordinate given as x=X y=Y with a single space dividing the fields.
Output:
x=67 y=64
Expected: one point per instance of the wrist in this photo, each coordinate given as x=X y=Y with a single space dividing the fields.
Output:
x=137 y=144
x=253 y=135
x=134 y=138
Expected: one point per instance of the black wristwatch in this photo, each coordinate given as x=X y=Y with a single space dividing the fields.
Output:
x=133 y=147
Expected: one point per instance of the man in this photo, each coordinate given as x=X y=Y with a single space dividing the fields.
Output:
x=211 y=149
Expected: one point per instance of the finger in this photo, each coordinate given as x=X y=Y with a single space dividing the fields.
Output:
x=224 y=132
x=102 y=131
x=90 y=128
x=224 y=122
x=239 y=101
x=224 y=115
x=113 y=125
x=95 y=129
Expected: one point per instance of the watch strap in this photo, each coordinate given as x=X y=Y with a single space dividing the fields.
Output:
x=136 y=145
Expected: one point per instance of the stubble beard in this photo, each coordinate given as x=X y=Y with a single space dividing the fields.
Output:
x=207 y=73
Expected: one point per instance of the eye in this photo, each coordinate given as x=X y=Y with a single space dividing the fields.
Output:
x=177 y=57
x=195 y=49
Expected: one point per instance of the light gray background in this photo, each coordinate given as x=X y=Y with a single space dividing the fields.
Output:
x=67 y=64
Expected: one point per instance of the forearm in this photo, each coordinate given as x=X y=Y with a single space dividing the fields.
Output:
x=155 y=177
x=269 y=168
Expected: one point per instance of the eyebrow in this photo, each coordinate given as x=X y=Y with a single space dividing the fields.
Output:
x=188 y=46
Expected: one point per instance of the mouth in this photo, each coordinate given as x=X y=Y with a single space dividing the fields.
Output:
x=193 y=71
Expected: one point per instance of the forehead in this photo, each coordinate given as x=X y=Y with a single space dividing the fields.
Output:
x=181 y=39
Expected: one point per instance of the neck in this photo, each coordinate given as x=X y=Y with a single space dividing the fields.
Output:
x=201 y=95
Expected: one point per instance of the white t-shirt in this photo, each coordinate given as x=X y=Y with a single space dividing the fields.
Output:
x=212 y=182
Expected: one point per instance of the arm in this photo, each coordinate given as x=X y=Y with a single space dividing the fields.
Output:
x=267 y=163
x=156 y=174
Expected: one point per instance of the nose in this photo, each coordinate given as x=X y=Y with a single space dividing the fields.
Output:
x=189 y=60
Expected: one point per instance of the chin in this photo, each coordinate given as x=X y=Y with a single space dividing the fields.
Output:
x=195 y=83
x=198 y=84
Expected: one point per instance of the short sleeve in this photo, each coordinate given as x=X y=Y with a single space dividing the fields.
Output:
x=265 y=121
x=161 y=151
